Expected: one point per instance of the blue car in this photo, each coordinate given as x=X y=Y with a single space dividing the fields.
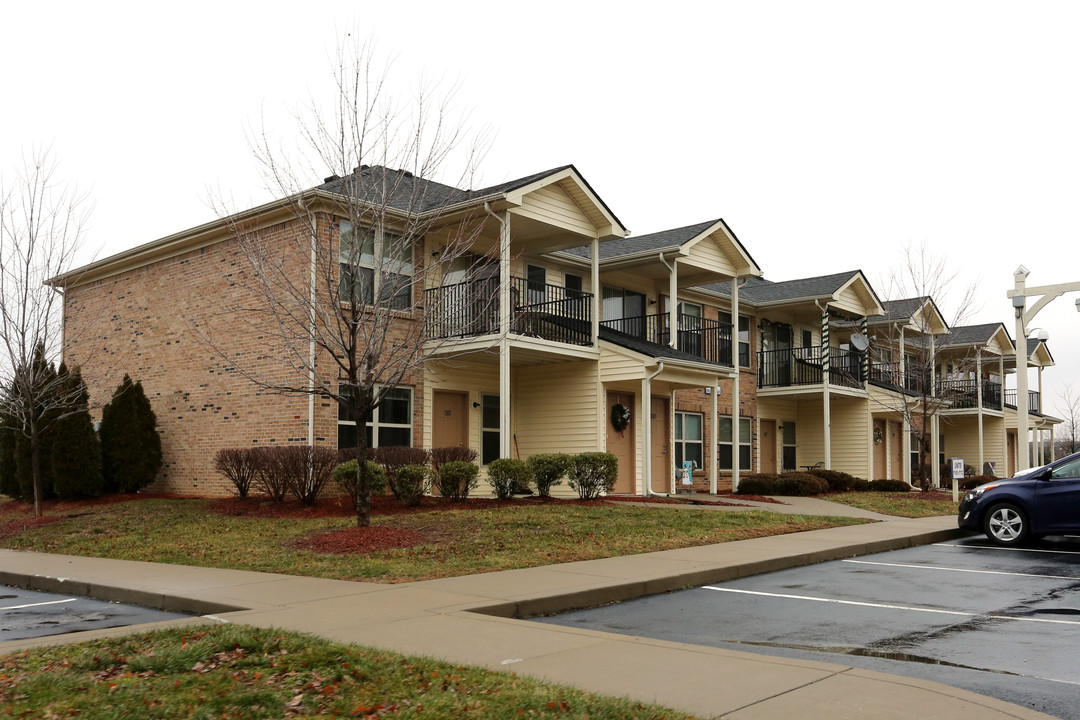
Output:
x=1034 y=503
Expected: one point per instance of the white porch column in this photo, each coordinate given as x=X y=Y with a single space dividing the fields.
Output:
x=673 y=304
x=505 y=438
x=1002 y=471
x=734 y=385
x=596 y=294
x=714 y=437
x=646 y=433
x=1053 y=450
x=826 y=401
x=978 y=374
x=903 y=360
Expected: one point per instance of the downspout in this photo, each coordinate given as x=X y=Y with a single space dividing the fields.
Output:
x=673 y=305
x=311 y=319
x=646 y=408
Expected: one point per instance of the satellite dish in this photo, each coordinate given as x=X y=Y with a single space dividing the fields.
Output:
x=860 y=342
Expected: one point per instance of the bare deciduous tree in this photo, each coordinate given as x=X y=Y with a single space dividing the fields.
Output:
x=924 y=276
x=41 y=230
x=1069 y=410
x=340 y=304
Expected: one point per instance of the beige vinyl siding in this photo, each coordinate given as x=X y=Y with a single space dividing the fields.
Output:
x=552 y=205
x=707 y=255
x=555 y=409
x=962 y=440
x=849 y=301
x=851 y=436
x=810 y=428
x=616 y=366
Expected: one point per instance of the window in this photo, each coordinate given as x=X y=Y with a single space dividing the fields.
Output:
x=1070 y=469
x=374 y=263
x=389 y=424
x=744 y=341
x=573 y=285
x=535 y=284
x=807 y=338
x=489 y=423
x=690 y=338
x=688 y=439
x=724 y=455
x=789 y=445
x=627 y=307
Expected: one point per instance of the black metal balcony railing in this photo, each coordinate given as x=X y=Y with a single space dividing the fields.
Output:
x=964 y=394
x=891 y=375
x=804 y=366
x=707 y=339
x=471 y=308
x=1034 y=401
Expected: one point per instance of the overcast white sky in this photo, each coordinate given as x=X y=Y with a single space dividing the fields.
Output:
x=827 y=134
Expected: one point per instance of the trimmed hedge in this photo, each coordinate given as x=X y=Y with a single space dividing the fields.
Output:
x=838 y=481
x=889 y=486
x=507 y=475
x=409 y=483
x=591 y=473
x=548 y=470
x=456 y=479
x=345 y=476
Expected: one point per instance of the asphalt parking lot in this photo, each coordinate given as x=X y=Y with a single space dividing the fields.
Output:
x=1001 y=622
x=28 y=614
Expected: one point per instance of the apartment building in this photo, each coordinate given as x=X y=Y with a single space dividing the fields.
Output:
x=556 y=331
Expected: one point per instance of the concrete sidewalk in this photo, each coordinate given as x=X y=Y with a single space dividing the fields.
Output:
x=471 y=620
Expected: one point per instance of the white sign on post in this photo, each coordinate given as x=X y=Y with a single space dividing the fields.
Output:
x=957 y=476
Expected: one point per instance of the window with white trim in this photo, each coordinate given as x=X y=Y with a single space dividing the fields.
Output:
x=789 y=446
x=390 y=424
x=724 y=449
x=489 y=421
x=744 y=341
x=374 y=262
x=689 y=433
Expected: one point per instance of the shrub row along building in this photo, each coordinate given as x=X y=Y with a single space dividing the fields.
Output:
x=544 y=327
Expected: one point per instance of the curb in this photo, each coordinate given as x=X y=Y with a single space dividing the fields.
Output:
x=594 y=597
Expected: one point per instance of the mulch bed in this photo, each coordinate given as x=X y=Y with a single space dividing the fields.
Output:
x=361 y=540
x=11 y=528
x=672 y=501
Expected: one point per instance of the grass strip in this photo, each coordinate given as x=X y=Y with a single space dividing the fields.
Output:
x=909 y=505
x=455 y=542
x=230 y=671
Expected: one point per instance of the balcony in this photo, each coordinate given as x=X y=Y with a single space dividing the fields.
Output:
x=709 y=340
x=1034 y=401
x=471 y=309
x=964 y=394
x=890 y=374
x=805 y=366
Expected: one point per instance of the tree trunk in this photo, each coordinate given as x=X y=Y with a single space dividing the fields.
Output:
x=361 y=406
x=35 y=465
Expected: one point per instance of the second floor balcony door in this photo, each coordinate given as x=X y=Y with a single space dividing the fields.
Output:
x=627 y=309
x=776 y=353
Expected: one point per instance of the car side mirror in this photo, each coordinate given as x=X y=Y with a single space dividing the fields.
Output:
x=1044 y=474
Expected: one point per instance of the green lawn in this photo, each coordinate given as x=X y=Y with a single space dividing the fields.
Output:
x=909 y=504
x=231 y=671
x=451 y=542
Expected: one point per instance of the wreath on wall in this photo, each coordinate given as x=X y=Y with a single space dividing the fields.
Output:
x=620 y=417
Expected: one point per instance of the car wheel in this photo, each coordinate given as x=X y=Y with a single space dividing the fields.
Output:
x=1006 y=524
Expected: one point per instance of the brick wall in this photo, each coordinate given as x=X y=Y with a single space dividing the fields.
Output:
x=180 y=326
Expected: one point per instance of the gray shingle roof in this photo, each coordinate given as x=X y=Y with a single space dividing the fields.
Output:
x=971 y=334
x=408 y=193
x=654 y=350
x=654 y=242
x=900 y=310
x=760 y=291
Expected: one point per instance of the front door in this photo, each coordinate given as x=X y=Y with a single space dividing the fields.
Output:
x=662 y=464
x=620 y=443
x=450 y=419
x=880 y=471
x=768 y=446
x=896 y=448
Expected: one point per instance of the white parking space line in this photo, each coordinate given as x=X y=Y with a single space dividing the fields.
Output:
x=1009 y=549
x=884 y=606
x=30 y=605
x=963 y=570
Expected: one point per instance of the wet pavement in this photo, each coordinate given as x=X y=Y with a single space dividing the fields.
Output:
x=29 y=614
x=1002 y=622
